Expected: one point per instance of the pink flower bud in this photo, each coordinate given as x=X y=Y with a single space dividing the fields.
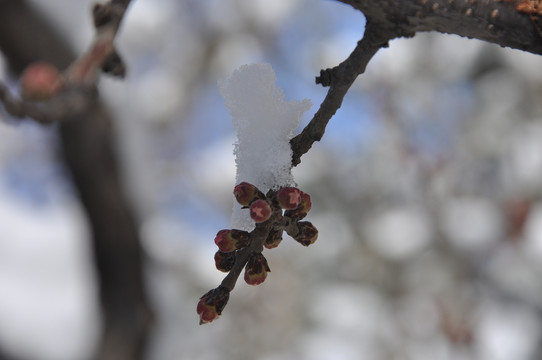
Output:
x=256 y=269
x=211 y=304
x=246 y=193
x=289 y=198
x=302 y=209
x=307 y=234
x=229 y=240
x=260 y=211
x=40 y=81
x=273 y=239
x=224 y=261
x=206 y=312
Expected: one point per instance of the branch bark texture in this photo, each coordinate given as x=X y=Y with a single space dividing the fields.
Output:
x=495 y=21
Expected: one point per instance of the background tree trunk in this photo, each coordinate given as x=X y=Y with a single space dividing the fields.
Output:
x=88 y=150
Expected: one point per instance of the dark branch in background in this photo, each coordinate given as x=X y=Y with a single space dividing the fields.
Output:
x=509 y=23
x=88 y=147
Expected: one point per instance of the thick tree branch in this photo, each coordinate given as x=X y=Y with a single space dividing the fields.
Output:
x=501 y=22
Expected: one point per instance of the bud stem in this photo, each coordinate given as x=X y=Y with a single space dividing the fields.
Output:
x=257 y=239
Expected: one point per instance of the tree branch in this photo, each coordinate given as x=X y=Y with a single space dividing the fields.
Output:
x=510 y=23
x=339 y=79
x=504 y=22
x=76 y=91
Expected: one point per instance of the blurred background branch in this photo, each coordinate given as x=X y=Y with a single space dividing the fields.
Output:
x=89 y=154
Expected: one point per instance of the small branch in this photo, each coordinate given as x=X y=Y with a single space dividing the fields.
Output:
x=67 y=105
x=78 y=91
x=257 y=239
x=239 y=249
x=339 y=79
x=256 y=242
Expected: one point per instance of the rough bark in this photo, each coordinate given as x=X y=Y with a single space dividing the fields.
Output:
x=496 y=21
x=88 y=149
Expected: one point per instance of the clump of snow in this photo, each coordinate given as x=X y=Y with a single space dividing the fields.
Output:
x=265 y=123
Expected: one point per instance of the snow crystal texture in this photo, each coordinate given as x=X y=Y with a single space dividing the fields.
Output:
x=265 y=123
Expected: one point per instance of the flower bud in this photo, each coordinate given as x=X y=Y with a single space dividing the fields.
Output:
x=273 y=239
x=40 y=81
x=256 y=269
x=224 y=261
x=289 y=198
x=307 y=234
x=246 y=193
x=229 y=240
x=211 y=304
x=260 y=211
x=302 y=209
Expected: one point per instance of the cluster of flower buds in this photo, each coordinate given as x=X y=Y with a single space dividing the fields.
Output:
x=228 y=242
x=295 y=203
x=285 y=207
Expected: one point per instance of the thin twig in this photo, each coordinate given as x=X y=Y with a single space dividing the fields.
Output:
x=257 y=239
x=339 y=79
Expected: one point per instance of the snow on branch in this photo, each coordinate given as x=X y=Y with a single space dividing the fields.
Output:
x=265 y=123
x=267 y=203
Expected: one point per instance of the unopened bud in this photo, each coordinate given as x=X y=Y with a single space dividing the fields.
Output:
x=231 y=239
x=307 y=234
x=302 y=209
x=246 y=193
x=224 y=261
x=273 y=239
x=211 y=304
x=289 y=198
x=40 y=81
x=260 y=211
x=256 y=269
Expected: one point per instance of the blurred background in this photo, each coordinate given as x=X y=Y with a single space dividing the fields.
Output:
x=426 y=190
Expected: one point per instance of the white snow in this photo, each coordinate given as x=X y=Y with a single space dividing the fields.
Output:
x=265 y=123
